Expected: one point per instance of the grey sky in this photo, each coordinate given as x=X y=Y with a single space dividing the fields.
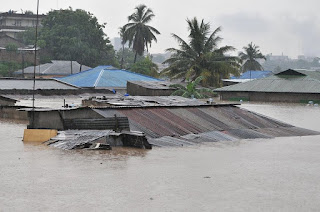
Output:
x=277 y=26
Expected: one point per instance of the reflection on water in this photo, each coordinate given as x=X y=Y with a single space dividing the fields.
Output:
x=247 y=175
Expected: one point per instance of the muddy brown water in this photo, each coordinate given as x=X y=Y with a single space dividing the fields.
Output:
x=280 y=174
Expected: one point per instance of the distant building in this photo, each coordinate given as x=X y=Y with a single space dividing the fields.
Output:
x=6 y=39
x=116 y=42
x=277 y=57
x=57 y=68
x=286 y=86
x=12 y=23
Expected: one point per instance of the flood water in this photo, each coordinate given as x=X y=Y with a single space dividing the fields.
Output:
x=280 y=174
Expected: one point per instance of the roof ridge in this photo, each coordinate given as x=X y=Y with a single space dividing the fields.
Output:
x=46 y=69
x=98 y=78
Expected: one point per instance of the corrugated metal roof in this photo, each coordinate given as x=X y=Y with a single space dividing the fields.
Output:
x=253 y=75
x=308 y=82
x=145 y=101
x=180 y=126
x=73 y=139
x=159 y=122
x=43 y=84
x=56 y=67
x=105 y=76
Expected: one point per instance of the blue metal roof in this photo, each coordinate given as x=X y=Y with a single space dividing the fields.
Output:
x=105 y=76
x=254 y=75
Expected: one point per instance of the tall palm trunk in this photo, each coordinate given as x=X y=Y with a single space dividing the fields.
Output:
x=135 y=57
x=121 y=66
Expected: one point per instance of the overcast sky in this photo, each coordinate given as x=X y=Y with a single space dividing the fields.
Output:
x=291 y=27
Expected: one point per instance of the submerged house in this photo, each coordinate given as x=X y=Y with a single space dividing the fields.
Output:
x=177 y=122
x=105 y=77
x=292 y=85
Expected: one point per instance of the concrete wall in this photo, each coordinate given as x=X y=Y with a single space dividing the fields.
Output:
x=54 y=119
x=12 y=112
x=45 y=120
x=137 y=90
x=81 y=113
x=19 y=56
x=6 y=102
x=270 y=97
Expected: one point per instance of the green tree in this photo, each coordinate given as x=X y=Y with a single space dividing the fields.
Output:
x=11 y=47
x=201 y=56
x=249 y=57
x=146 y=67
x=191 y=90
x=126 y=56
x=137 y=32
x=76 y=35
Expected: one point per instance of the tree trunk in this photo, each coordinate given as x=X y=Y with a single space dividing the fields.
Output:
x=135 y=57
x=122 y=57
x=71 y=66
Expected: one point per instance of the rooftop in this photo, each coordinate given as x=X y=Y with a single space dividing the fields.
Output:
x=289 y=81
x=105 y=77
x=253 y=75
x=56 y=67
x=27 y=84
x=144 y=101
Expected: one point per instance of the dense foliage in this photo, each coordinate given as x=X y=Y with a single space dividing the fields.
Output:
x=126 y=56
x=7 y=68
x=146 y=67
x=76 y=35
x=200 y=56
x=249 y=57
x=191 y=90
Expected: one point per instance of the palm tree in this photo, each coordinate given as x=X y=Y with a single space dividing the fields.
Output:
x=123 y=42
x=191 y=89
x=201 y=56
x=137 y=32
x=249 y=57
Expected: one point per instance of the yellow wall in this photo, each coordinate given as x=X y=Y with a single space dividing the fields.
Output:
x=38 y=135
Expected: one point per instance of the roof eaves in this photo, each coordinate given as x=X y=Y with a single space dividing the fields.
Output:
x=63 y=82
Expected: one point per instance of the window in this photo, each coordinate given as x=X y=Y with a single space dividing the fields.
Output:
x=17 y=23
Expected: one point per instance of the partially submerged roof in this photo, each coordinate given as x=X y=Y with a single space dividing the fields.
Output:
x=170 y=126
x=56 y=67
x=27 y=84
x=105 y=77
x=146 y=101
x=289 y=81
